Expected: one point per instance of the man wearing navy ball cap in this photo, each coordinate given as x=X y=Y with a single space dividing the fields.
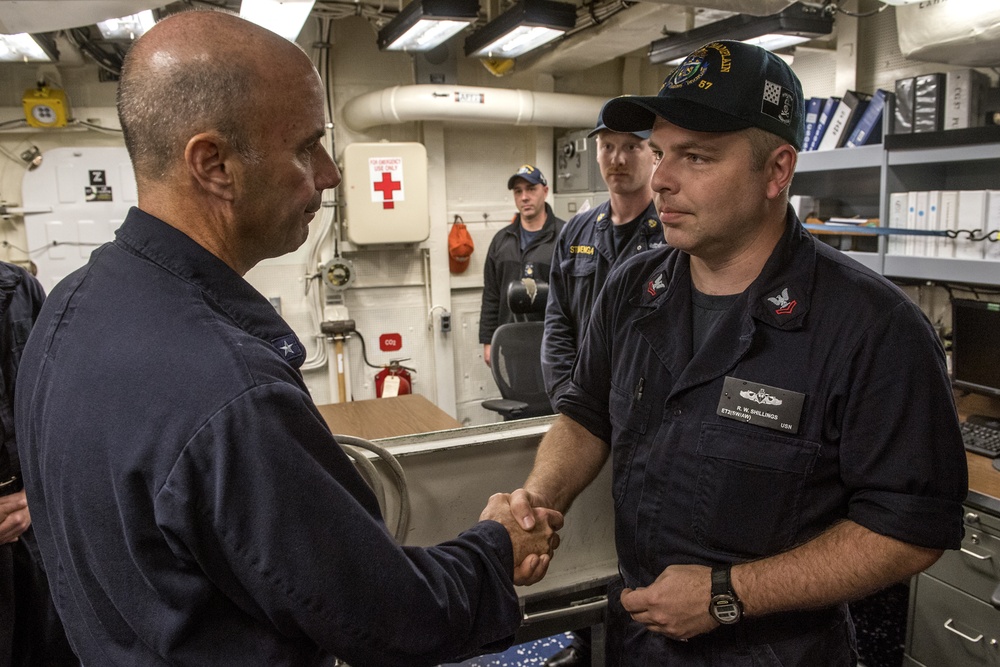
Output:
x=589 y=248
x=781 y=425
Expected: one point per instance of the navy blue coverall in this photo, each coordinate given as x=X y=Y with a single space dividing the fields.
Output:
x=585 y=254
x=877 y=440
x=191 y=504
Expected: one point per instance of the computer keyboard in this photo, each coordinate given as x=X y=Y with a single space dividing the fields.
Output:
x=982 y=436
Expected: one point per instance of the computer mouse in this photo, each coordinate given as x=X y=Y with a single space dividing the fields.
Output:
x=996 y=463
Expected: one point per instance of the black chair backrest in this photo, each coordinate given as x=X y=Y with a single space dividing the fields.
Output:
x=527 y=297
x=515 y=358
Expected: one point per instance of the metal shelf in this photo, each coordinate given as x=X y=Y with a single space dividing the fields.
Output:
x=862 y=157
x=981 y=272
x=944 y=154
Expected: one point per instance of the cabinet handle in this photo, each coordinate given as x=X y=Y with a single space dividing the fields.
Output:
x=975 y=555
x=947 y=626
x=551 y=614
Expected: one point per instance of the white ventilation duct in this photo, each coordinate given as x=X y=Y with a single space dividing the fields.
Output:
x=404 y=104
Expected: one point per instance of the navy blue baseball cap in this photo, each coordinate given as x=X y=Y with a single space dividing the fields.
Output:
x=528 y=172
x=642 y=134
x=722 y=87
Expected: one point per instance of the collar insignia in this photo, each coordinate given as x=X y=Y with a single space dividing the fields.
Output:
x=784 y=305
x=656 y=285
x=288 y=347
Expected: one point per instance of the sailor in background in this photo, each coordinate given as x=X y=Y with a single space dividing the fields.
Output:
x=593 y=243
x=590 y=245
x=522 y=249
x=31 y=634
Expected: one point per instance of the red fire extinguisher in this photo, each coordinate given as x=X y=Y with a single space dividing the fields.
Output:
x=393 y=380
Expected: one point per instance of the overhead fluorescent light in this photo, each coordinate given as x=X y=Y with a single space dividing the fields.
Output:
x=798 y=20
x=25 y=48
x=900 y=2
x=285 y=17
x=128 y=27
x=524 y=27
x=772 y=42
x=425 y=24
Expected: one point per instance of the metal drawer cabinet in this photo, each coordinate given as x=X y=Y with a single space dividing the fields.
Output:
x=954 y=618
x=975 y=569
x=949 y=628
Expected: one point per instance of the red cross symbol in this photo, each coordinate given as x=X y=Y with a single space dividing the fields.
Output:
x=387 y=186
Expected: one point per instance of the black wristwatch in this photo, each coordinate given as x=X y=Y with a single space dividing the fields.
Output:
x=725 y=606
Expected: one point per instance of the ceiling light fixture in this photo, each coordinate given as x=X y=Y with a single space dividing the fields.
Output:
x=797 y=21
x=425 y=24
x=127 y=28
x=25 y=48
x=524 y=27
x=285 y=17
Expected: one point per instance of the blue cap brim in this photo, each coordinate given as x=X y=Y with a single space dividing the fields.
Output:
x=635 y=113
x=642 y=134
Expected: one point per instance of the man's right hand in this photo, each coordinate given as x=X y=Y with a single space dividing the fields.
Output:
x=486 y=353
x=14 y=516
x=524 y=507
x=524 y=503
x=532 y=547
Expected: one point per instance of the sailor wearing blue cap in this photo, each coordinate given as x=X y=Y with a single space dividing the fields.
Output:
x=779 y=417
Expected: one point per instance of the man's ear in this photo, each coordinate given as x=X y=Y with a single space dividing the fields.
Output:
x=781 y=167
x=209 y=160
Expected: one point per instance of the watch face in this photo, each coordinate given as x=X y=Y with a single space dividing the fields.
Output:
x=726 y=609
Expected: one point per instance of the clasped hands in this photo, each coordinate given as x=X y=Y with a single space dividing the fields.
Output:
x=532 y=527
x=675 y=605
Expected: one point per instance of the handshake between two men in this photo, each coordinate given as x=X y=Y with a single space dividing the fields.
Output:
x=534 y=540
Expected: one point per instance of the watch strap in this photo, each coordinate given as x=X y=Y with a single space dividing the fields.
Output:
x=722 y=580
x=725 y=607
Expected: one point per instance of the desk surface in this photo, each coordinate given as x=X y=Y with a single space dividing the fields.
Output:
x=387 y=417
x=982 y=476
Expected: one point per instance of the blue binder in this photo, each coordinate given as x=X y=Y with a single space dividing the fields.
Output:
x=869 y=127
x=813 y=107
x=824 y=118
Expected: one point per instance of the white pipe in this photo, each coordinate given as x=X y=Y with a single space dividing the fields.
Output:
x=403 y=104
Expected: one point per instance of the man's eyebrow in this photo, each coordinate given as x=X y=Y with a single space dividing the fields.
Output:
x=315 y=136
x=688 y=146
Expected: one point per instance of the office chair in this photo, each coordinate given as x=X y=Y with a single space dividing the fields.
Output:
x=516 y=355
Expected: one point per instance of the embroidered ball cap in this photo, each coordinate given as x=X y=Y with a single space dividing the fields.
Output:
x=460 y=247
x=722 y=87
x=529 y=173
x=642 y=134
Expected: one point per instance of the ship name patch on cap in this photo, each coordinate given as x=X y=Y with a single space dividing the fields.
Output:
x=761 y=405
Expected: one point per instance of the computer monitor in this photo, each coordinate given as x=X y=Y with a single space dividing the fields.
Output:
x=975 y=346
